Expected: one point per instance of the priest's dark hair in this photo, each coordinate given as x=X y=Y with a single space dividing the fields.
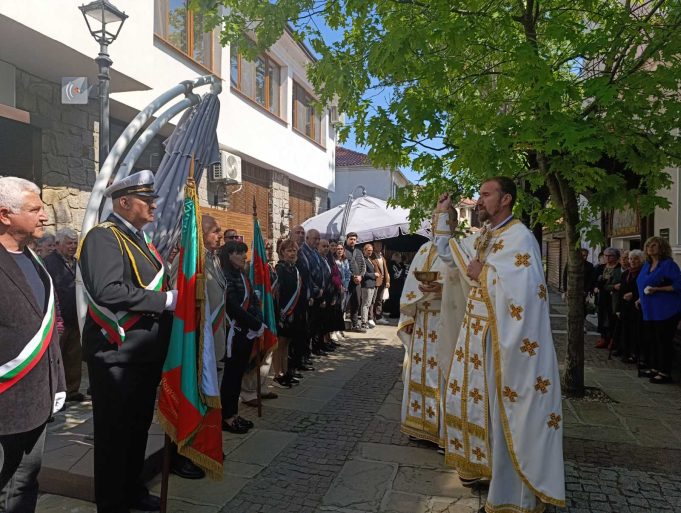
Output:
x=507 y=186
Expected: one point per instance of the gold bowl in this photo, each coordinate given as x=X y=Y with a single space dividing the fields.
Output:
x=426 y=276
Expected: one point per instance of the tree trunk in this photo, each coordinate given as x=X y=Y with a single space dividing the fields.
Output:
x=573 y=378
x=566 y=199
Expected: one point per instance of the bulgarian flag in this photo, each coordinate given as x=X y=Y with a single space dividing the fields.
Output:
x=189 y=403
x=260 y=278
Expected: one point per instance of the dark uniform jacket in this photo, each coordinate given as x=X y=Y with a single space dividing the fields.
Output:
x=111 y=281
x=356 y=258
x=244 y=319
x=27 y=404
x=64 y=280
x=310 y=264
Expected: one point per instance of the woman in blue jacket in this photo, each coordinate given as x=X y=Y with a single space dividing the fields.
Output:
x=659 y=285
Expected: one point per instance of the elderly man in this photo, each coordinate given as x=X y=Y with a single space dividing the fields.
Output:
x=310 y=266
x=503 y=404
x=31 y=374
x=125 y=340
x=61 y=265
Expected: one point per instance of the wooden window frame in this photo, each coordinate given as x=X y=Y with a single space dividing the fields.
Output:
x=308 y=99
x=251 y=95
x=189 y=54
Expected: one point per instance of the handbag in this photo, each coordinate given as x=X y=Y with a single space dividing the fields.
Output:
x=386 y=294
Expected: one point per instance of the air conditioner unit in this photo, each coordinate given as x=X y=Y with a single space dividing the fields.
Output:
x=334 y=118
x=228 y=171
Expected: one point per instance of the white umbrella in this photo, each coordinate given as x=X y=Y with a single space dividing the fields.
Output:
x=371 y=218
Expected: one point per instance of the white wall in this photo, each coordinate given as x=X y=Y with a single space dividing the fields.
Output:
x=378 y=183
x=242 y=128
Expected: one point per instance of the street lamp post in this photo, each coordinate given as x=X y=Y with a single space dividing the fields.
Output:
x=109 y=21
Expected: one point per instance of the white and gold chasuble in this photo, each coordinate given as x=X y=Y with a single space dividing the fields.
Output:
x=507 y=315
x=435 y=319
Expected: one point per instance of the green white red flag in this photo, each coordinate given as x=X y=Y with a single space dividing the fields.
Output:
x=260 y=278
x=189 y=402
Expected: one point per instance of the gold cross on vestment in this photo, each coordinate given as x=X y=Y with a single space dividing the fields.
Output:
x=470 y=306
x=454 y=386
x=459 y=354
x=498 y=246
x=477 y=326
x=476 y=361
x=410 y=295
x=432 y=363
x=529 y=347
x=510 y=394
x=542 y=385
x=419 y=333
x=475 y=394
x=542 y=292
x=554 y=421
x=426 y=305
x=478 y=453
x=456 y=443
x=417 y=358
x=430 y=412
x=516 y=312
x=432 y=337
x=415 y=406
x=522 y=259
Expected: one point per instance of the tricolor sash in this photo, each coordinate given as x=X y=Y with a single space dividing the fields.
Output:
x=12 y=371
x=217 y=317
x=245 y=303
x=289 y=308
x=115 y=325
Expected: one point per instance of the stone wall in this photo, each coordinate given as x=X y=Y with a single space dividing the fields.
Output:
x=279 y=194
x=320 y=196
x=69 y=147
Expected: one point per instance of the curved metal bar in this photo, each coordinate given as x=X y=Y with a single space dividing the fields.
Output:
x=346 y=211
x=92 y=210
x=147 y=136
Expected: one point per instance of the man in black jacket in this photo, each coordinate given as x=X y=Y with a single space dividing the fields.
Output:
x=61 y=265
x=31 y=374
x=125 y=340
x=358 y=268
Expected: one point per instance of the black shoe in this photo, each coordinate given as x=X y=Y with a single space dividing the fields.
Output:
x=183 y=467
x=305 y=368
x=660 y=379
x=297 y=375
x=282 y=382
x=328 y=348
x=75 y=398
x=319 y=352
x=359 y=329
x=234 y=427
x=147 y=503
x=646 y=373
x=244 y=422
x=294 y=381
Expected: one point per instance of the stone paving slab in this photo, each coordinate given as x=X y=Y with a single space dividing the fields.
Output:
x=361 y=485
x=262 y=447
x=411 y=456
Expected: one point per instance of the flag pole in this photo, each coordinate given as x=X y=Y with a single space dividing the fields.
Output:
x=258 y=359
x=165 y=474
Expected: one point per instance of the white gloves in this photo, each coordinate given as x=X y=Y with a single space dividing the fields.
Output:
x=255 y=334
x=59 y=400
x=171 y=300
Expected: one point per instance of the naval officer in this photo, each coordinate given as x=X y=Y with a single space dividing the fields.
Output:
x=125 y=339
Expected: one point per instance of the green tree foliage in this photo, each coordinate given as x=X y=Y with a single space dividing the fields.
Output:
x=576 y=98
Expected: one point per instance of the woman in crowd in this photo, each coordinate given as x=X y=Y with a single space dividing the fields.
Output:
x=245 y=325
x=610 y=275
x=368 y=285
x=328 y=300
x=398 y=274
x=345 y=274
x=333 y=320
x=291 y=319
x=382 y=283
x=628 y=312
x=659 y=288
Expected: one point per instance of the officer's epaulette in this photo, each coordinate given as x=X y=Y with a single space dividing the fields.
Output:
x=105 y=224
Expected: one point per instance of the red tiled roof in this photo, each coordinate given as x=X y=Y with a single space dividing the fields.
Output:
x=466 y=202
x=346 y=157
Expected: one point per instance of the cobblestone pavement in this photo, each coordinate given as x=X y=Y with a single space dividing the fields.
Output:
x=333 y=444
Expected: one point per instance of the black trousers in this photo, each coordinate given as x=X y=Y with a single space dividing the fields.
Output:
x=355 y=301
x=660 y=335
x=20 y=458
x=235 y=367
x=123 y=398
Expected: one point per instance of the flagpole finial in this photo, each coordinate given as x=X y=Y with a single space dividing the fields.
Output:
x=255 y=207
x=190 y=178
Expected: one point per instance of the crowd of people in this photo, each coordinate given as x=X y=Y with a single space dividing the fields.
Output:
x=637 y=294
x=131 y=294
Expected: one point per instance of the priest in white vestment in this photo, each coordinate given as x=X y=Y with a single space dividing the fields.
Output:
x=503 y=411
x=430 y=317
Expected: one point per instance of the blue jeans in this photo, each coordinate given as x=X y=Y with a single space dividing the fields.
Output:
x=21 y=455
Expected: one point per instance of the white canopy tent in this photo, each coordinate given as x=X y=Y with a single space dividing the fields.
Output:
x=371 y=218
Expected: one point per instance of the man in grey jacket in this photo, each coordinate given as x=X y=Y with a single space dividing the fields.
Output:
x=357 y=268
